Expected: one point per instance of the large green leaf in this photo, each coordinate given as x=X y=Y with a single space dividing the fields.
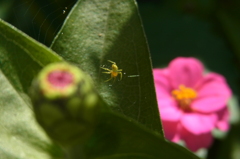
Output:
x=20 y=59
x=101 y=30
x=20 y=136
x=118 y=137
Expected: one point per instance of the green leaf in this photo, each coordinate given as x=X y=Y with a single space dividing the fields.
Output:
x=128 y=156
x=20 y=135
x=117 y=137
x=20 y=59
x=101 y=30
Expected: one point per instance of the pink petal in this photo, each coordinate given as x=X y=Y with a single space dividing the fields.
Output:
x=170 y=113
x=167 y=105
x=213 y=94
x=165 y=102
x=224 y=126
x=223 y=119
x=195 y=142
x=185 y=71
x=161 y=81
x=198 y=123
x=171 y=130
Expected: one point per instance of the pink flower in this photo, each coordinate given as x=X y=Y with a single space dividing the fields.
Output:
x=191 y=103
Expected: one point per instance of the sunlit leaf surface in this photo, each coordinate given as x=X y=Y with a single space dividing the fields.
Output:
x=101 y=30
x=20 y=59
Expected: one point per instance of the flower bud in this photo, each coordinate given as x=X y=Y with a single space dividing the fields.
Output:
x=65 y=103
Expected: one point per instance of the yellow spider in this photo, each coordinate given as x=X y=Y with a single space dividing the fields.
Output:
x=114 y=71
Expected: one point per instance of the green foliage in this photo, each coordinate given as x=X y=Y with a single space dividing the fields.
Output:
x=95 y=31
x=20 y=59
x=101 y=30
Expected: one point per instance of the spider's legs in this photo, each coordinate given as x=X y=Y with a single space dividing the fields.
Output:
x=108 y=79
x=120 y=75
x=112 y=62
x=107 y=72
x=105 y=69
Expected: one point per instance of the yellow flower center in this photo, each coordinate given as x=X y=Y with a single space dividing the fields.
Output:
x=184 y=96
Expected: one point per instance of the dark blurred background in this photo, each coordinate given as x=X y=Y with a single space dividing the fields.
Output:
x=206 y=29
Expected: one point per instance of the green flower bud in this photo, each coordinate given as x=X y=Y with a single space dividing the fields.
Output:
x=65 y=103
